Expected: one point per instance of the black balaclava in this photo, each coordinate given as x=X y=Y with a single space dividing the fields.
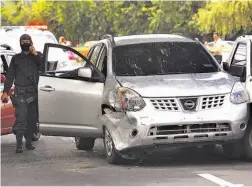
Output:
x=24 y=44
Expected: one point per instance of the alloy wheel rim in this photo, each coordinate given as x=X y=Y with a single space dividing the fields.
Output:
x=108 y=143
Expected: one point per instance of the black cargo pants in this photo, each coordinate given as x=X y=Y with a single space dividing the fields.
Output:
x=25 y=102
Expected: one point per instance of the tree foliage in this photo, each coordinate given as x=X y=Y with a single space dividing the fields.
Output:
x=225 y=17
x=88 y=20
x=174 y=16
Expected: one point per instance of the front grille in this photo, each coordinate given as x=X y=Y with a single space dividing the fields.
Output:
x=188 y=104
x=165 y=104
x=209 y=102
x=189 y=128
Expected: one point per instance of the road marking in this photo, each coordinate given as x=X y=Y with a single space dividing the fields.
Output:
x=219 y=181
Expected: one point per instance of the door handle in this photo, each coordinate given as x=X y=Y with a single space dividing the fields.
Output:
x=47 y=88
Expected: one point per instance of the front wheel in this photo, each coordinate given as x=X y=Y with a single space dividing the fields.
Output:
x=247 y=141
x=112 y=156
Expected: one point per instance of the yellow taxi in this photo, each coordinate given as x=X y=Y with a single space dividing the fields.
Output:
x=85 y=49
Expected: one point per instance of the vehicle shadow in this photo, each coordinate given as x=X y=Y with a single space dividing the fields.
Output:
x=185 y=157
x=171 y=157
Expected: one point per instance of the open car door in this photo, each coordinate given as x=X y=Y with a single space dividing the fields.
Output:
x=249 y=70
x=70 y=94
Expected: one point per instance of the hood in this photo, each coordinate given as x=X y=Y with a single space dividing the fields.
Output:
x=180 y=85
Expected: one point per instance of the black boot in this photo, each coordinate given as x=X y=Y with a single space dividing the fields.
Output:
x=29 y=144
x=19 y=145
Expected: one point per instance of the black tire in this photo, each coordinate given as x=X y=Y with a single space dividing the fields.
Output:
x=86 y=144
x=247 y=142
x=111 y=154
x=36 y=136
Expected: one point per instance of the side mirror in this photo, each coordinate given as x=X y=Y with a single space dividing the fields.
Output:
x=85 y=72
x=225 y=66
x=3 y=78
x=238 y=71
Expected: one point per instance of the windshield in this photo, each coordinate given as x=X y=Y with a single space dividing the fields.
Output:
x=162 y=59
x=37 y=39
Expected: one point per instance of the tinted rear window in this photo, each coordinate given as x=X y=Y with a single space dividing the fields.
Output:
x=162 y=59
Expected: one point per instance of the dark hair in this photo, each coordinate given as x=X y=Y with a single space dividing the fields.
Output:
x=216 y=33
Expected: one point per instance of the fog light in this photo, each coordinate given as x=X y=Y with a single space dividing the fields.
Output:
x=134 y=133
x=242 y=126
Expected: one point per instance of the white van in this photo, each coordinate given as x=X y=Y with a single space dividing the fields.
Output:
x=10 y=35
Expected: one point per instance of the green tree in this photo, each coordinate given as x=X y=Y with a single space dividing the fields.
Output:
x=172 y=16
x=225 y=17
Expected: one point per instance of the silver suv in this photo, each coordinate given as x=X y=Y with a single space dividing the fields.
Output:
x=141 y=93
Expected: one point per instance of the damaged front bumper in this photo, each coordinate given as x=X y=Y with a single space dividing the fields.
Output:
x=149 y=128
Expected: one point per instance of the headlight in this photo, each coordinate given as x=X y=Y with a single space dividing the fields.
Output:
x=125 y=99
x=239 y=94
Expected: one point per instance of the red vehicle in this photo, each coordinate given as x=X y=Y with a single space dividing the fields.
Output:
x=7 y=110
x=7 y=113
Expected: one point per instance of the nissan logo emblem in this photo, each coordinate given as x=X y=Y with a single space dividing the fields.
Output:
x=189 y=104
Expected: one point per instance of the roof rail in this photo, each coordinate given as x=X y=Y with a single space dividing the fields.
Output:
x=6 y=46
x=186 y=36
x=110 y=37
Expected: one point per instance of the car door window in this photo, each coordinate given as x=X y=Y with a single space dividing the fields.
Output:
x=59 y=59
x=64 y=62
x=240 y=55
x=95 y=54
x=101 y=61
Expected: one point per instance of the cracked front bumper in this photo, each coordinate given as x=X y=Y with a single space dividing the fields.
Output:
x=121 y=125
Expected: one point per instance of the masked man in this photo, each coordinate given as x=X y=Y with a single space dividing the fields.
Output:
x=24 y=72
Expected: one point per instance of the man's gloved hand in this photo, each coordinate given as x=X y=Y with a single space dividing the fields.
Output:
x=5 y=97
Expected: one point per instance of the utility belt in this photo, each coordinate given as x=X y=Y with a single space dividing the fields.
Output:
x=25 y=89
x=26 y=94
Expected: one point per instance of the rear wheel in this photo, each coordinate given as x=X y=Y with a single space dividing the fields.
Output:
x=112 y=156
x=86 y=144
x=36 y=136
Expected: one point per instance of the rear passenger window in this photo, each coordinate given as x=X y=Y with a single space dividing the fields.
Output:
x=95 y=54
x=240 y=55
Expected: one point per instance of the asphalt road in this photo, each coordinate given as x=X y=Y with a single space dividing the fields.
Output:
x=56 y=162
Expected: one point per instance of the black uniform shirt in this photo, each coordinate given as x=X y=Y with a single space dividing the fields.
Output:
x=21 y=66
